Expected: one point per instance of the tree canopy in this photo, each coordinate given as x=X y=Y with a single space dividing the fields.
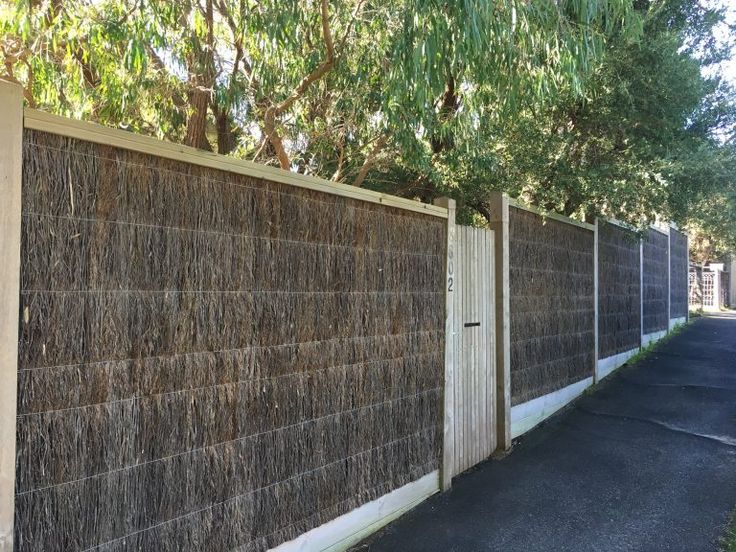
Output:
x=585 y=107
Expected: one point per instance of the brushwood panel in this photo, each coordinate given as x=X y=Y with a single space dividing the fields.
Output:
x=552 y=304
x=678 y=274
x=655 y=276
x=210 y=361
x=619 y=290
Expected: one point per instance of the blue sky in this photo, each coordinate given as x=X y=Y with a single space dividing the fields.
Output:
x=728 y=69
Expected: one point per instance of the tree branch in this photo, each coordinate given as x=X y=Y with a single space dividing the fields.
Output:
x=269 y=125
x=158 y=63
x=319 y=72
x=369 y=161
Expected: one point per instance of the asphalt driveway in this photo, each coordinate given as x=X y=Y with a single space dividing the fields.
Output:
x=647 y=462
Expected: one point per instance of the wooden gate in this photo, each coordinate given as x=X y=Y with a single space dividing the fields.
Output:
x=475 y=364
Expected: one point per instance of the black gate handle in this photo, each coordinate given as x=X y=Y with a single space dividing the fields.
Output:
x=471 y=324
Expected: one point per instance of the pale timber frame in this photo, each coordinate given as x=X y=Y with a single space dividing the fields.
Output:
x=596 y=299
x=11 y=140
x=448 y=440
x=90 y=132
x=474 y=386
x=499 y=223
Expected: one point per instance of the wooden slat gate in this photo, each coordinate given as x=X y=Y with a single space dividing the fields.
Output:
x=474 y=376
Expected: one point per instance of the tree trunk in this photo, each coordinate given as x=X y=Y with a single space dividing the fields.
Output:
x=197 y=122
x=201 y=80
x=226 y=139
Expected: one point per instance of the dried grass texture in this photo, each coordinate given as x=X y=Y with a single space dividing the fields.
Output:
x=619 y=290
x=655 y=292
x=210 y=361
x=678 y=274
x=552 y=304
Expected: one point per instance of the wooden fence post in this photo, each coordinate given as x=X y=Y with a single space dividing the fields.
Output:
x=499 y=223
x=687 y=286
x=641 y=292
x=595 y=299
x=448 y=440
x=11 y=133
x=669 y=277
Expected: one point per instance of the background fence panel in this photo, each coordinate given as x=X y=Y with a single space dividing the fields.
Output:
x=709 y=288
x=552 y=304
x=725 y=289
x=619 y=290
x=655 y=275
x=209 y=360
x=678 y=274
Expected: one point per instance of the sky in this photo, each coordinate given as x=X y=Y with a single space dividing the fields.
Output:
x=728 y=68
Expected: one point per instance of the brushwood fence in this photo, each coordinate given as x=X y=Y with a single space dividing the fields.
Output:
x=211 y=360
x=655 y=288
x=679 y=263
x=583 y=300
x=202 y=353
x=552 y=304
x=619 y=292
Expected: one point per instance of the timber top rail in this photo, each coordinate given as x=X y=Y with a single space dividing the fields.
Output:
x=519 y=204
x=91 y=132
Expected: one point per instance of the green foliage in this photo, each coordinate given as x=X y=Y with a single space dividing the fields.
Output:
x=582 y=106
x=728 y=542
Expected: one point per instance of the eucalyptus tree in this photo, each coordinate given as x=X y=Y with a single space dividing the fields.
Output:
x=333 y=88
x=643 y=140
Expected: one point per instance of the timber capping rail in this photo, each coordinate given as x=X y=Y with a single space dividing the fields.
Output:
x=91 y=132
x=549 y=214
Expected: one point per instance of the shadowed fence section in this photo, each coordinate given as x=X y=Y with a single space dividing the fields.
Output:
x=619 y=290
x=210 y=360
x=655 y=275
x=552 y=304
x=678 y=275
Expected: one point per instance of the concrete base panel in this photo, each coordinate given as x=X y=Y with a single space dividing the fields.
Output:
x=529 y=414
x=609 y=364
x=653 y=337
x=674 y=322
x=349 y=529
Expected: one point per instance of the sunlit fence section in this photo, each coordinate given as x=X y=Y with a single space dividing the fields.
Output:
x=210 y=360
x=202 y=353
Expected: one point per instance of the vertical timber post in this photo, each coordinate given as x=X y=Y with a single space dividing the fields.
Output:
x=732 y=280
x=11 y=133
x=687 y=278
x=499 y=223
x=448 y=440
x=669 y=277
x=641 y=292
x=596 y=274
